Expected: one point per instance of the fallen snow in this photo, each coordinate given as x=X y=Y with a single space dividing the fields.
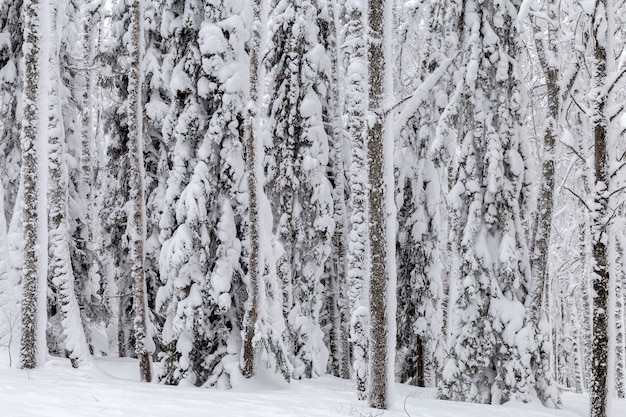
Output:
x=111 y=388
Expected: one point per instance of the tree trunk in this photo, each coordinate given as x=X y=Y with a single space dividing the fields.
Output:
x=250 y=141
x=380 y=362
x=598 y=390
x=33 y=173
x=341 y=333
x=136 y=185
x=358 y=266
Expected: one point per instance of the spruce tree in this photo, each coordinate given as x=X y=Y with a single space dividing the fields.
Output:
x=492 y=334
x=296 y=166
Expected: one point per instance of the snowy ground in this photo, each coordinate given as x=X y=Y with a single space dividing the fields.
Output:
x=111 y=389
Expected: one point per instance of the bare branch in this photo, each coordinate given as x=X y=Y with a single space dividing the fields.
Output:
x=583 y=202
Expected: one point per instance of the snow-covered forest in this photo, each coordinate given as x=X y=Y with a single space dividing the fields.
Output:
x=418 y=192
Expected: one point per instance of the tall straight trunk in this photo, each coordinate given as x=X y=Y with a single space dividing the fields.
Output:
x=341 y=315
x=136 y=184
x=33 y=173
x=252 y=159
x=542 y=228
x=358 y=266
x=598 y=390
x=542 y=225
x=620 y=341
x=380 y=362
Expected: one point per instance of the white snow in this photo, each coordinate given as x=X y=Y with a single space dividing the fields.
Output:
x=111 y=388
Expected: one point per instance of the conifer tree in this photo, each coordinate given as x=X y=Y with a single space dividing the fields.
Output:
x=422 y=186
x=113 y=216
x=201 y=329
x=491 y=329
x=11 y=31
x=296 y=167
x=263 y=325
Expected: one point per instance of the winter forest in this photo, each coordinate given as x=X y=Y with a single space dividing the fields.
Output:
x=426 y=192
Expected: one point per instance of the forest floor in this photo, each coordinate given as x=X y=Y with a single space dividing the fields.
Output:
x=111 y=388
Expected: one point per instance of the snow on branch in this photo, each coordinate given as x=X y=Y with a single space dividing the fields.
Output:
x=413 y=102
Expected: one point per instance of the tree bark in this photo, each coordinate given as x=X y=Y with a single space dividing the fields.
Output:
x=379 y=278
x=136 y=183
x=34 y=216
x=598 y=391
x=250 y=139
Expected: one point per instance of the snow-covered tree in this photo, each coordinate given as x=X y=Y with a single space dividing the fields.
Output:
x=422 y=161
x=201 y=258
x=263 y=322
x=355 y=104
x=335 y=283
x=599 y=39
x=114 y=194
x=60 y=270
x=187 y=227
x=297 y=160
x=11 y=35
x=492 y=337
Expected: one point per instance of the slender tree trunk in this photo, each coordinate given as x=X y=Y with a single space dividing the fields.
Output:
x=598 y=390
x=620 y=338
x=33 y=173
x=136 y=183
x=341 y=357
x=542 y=228
x=380 y=362
x=358 y=265
x=251 y=143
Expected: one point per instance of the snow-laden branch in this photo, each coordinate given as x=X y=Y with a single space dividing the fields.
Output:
x=524 y=8
x=413 y=102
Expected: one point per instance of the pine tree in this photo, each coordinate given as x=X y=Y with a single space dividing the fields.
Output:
x=225 y=134
x=78 y=55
